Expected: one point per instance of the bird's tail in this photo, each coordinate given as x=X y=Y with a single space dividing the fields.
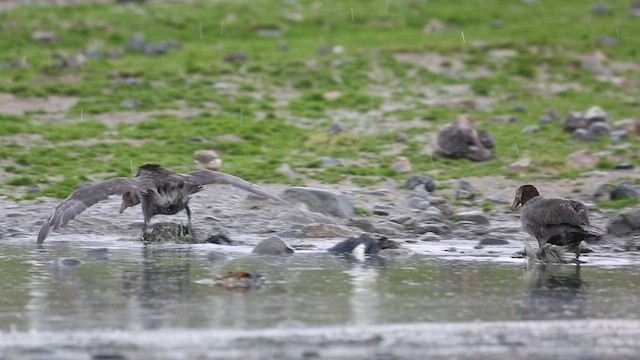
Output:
x=593 y=231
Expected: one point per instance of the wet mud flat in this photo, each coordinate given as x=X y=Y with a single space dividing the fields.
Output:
x=587 y=339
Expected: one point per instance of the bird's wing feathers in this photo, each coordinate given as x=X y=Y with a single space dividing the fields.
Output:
x=81 y=199
x=204 y=177
x=556 y=211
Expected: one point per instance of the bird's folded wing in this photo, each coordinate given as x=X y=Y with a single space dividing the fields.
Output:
x=85 y=197
x=204 y=177
x=553 y=211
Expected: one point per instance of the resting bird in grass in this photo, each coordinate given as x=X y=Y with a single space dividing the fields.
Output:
x=554 y=221
x=159 y=190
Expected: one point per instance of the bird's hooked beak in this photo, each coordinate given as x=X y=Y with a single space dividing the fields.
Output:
x=516 y=202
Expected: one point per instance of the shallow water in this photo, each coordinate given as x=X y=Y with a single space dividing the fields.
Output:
x=80 y=283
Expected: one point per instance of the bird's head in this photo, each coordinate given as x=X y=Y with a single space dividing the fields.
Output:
x=128 y=200
x=523 y=194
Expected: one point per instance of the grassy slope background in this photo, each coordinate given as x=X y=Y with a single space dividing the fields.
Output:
x=281 y=40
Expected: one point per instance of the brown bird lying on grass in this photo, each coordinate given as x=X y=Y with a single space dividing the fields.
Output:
x=159 y=190
x=554 y=221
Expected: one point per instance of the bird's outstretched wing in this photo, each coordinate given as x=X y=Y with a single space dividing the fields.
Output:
x=81 y=199
x=204 y=177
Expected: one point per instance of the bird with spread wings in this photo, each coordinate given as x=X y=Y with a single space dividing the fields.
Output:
x=158 y=190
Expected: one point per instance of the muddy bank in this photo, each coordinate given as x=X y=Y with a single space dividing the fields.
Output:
x=589 y=339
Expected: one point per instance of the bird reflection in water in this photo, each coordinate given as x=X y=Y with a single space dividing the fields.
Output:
x=161 y=279
x=553 y=292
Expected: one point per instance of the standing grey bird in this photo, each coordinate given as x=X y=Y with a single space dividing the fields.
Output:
x=554 y=221
x=159 y=190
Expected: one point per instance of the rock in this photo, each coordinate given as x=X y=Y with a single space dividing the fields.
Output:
x=235 y=57
x=492 y=241
x=286 y=170
x=207 y=159
x=401 y=164
x=417 y=180
x=600 y=8
x=380 y=210
x=337 y=128
x=544 y=119
x=523 y=163
x=399 y=219
x=130 y=103
x=431 y=237
x=418 y=203
x=531 y=129
x=631 y=125
x=582 y=134
x=583 y=159
x=156 y=49
x=371 y=246
x=626 y=223
x=464 y=190
x=503 y=119
x=595 y=114
x=401 y=137
x=219 y=238
x=598 y=129
x=607 y=41
x=317 y=230
x=240 y=281
x=499 y=198
x=603 y=193
x=362 y=224
x=625 y=191
x=618 y=135
x=332 y=95
x=434 y=25
x=44 y=36
x=433 y=227
x=624 y=166
x=578 y=120
x=323 y=201
x=137 y=43
x=33 y=189
x=330 y=161
x=273 y=245
x=294 y=216
x=593 y=63
x=385 y=230
x=519 y=108
x=474 y=216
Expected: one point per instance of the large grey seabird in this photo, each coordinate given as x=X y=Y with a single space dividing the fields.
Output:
x=553 y=220
x=160 y=191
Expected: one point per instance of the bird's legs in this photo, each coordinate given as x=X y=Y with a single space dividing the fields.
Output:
x=188 y=210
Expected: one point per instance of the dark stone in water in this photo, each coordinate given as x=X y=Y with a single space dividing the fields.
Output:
x=240 y=281
x=219 y=239
x=273 y=245
x=347 y=246
x=68 y=262
x=493 y=241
